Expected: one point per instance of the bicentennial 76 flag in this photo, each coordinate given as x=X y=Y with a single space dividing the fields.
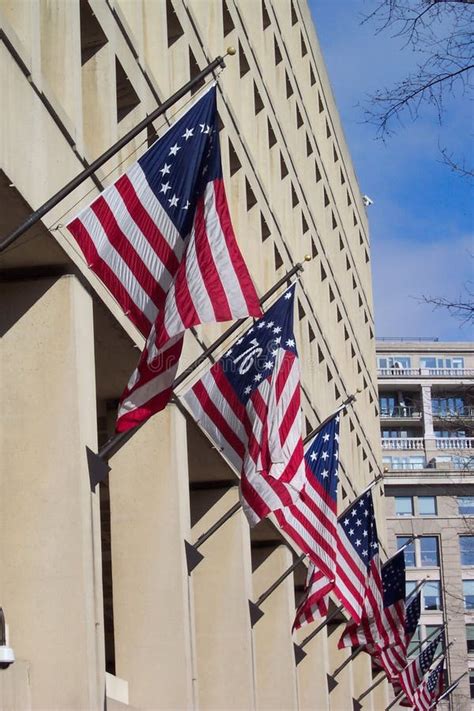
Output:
x=161 y=240
x=249 y=404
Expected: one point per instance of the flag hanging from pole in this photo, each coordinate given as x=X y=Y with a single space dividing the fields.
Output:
x=387 y=630
x=412 y=675
x=394 y=659
x=161 y=240
x=249 y=405
x=358 y=582
x=311 y=521
x=430 y=689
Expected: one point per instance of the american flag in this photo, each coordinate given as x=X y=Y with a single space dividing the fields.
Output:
x=249 y=404
x=394 y=659
x=161 y=240
x=389 y=630
x=430 y=689
x=358 y=582
x=312 y=520
x=314 y=602
x=411 y=676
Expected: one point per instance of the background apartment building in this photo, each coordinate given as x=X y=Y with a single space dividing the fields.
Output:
x=427 y=420
x=95 y=587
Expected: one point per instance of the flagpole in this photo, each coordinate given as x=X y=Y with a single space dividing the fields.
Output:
x=318 y=629
x=255 y=611
x=371 y=688
x=192 y=559
x=450 y=688
x=416 y=588
x=117 y=441
x=110 y=152
x=346 y=661
x=343 y=406
x=402 y=693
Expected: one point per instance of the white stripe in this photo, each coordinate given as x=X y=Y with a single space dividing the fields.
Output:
x=112 y=258
x=138 y=241
x=155 y=209
x=196 y=283
x=142 y=394
x=206 y=423
x=221 y=255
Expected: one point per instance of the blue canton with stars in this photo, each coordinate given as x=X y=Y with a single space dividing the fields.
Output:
x=413 y=611
x=393 y=580
x=180 y=164
x=359 y=526
x=433 y=678
x=322 y=456
x=252 y=358
x=425 y=659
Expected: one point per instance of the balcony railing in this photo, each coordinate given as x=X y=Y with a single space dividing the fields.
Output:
x=400 y=411
x=425 y=372
x=455 y=443
x=466 y=413
x=403 y=443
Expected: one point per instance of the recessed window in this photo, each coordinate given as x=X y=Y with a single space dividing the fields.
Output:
x=432 y=595
x=431 y=632
x=466 y=544
x=404 y=505
x=429 y=555
x=471 y=683
x=427 y=505
x=468 y=593
x=470 y=639
x=410 y=587
x=413 y=647
x=466 y=505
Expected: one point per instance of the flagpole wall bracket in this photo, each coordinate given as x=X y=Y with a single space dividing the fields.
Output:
x=331 y=682
x=255 y=613
x=300 y=654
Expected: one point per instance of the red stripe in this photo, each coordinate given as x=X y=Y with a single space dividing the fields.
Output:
x=108 y=277
x=147 y=225
x=216 y=416
x=292 y=411
x=209 y=273
x=128 y=253
x=283 y=374
x=241 y=271
x=252 y=498
x=163 y=361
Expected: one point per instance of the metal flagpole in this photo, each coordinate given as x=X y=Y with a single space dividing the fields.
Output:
x=192 y=555
x=328 y=619
x=402 y=693
x=97 y=463
x=371 y=688
x=98 y=162
x=450 y=688
x=255 y=611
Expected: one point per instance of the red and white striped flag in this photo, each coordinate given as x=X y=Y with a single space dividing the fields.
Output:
x=431 y=688
x=412 y=675
x=315 y=601
x=388 y=628
x=161 y=240
x=249 y=404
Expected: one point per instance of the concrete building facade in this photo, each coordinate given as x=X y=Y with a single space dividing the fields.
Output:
x=95 y=587
x=427 y=420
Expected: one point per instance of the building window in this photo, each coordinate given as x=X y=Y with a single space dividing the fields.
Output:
x=470 y=638
x=466 y=505
x=407 y=463
x=409 y=550
x=432 y=595
x=433 y=362
x=447 y=406
x=394 y=362
x=471 y=683
x=466 y=544
x=413 y=647
x=421 y=553
x=404 y=505
x=468 y=592
x=427 y=505
x=429 y=555
x=430 y=634
x=410 y=586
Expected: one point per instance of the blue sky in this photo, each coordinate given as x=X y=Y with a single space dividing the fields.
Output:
x=421 y=222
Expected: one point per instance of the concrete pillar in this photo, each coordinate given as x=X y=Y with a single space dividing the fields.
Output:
x=379 y=696
x=274 y=655
x=313 y=669
x=15 y=687
x=428 y=431
x=222 y=587
x=50 y=561
x=275 y=662
x=340 y=698
x=361 y=676
x=149 y=509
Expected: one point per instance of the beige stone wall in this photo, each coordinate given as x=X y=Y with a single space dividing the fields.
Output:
x=74 y=76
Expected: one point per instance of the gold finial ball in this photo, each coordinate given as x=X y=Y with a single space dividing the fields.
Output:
x=307 y=257
x=231 y=51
